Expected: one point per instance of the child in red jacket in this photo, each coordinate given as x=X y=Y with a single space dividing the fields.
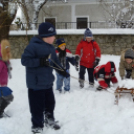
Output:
x=105 y=74
x=88 y=53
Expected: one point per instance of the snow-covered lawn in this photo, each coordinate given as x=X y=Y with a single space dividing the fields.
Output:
x=82 y=111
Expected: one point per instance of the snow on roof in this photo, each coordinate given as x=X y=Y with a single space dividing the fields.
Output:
x=79 y=32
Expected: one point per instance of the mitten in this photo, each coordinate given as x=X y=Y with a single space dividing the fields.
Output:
x=65 y=73
x=128 y=75
x=77 y=63
x=96 y=62
x=44 y=62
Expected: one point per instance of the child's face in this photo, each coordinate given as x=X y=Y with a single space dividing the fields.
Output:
x=62 y=47
x=88 y=39
x=128 y=60
x=49 y=40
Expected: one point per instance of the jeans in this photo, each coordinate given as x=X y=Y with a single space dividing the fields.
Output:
x=60 y=80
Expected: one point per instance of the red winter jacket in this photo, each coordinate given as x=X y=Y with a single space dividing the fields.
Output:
x=88 y=51
x=103 y=72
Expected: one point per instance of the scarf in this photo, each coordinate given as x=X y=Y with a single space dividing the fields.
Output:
x=62 y=57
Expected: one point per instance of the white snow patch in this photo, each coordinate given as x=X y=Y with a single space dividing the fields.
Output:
x=82 y=111
x=129 y=83
x=79 y=31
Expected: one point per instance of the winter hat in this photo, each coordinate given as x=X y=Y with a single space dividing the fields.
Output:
x=129 y=54
x=46 y=29
x=88 y=33
x=60 y=42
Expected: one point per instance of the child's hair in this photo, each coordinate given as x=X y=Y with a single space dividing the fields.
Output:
x=5 y=47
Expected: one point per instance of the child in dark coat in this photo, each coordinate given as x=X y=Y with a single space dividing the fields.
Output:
x=39 y=77
x=65 y=56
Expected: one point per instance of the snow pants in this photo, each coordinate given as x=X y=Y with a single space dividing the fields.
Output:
x=90 y=74
x=41 y=103
x=60 y=80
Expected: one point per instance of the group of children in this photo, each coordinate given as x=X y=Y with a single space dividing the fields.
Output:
x=40 y=58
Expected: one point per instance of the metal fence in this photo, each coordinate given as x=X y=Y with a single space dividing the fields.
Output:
x=93 y=25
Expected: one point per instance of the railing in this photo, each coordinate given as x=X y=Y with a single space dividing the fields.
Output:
x=83 y=25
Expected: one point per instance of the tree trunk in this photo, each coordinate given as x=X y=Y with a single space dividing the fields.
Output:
x=6 y=19
x=31 y=9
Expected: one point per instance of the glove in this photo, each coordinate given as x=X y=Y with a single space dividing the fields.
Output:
x=44 y=62
x=77 y=63
x=96 y=62
x=65 y=73
x=128 y=75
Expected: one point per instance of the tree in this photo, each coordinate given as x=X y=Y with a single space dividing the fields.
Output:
x=120 y=12
x=31 y=8
x=7 y=15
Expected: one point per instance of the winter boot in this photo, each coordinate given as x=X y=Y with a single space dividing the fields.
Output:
x=91 y=85
x=51 y=123
x=1 y=114
x=81 y=83
x=66 y=91
x=99 y=88
x=60 y=91
x=37 y=130
x=3 y=105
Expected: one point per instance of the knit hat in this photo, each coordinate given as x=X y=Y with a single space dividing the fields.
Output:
x=129 y=54
x=60 y=42
x=46 y=29
x=88 y=33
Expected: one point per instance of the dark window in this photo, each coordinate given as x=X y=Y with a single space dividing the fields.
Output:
x=50 y=20
x=82 y=23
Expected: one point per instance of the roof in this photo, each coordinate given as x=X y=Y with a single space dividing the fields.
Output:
x=82 y=1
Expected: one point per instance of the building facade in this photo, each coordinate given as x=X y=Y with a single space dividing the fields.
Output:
x=80 y=14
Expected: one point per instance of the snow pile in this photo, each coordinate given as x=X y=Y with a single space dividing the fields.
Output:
x=82 y=111
x=127 y=84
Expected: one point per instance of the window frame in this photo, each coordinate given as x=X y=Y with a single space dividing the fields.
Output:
x=82 y=17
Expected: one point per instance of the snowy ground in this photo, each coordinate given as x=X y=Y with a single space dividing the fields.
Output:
x=82 y=111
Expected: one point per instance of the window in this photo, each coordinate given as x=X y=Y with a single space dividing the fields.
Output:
x=82 y=23
x=50 y=20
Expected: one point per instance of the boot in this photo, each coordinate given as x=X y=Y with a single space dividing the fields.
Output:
x=37 y=130
x=1 y=114
x=81 y=83
x=4 y=104
x=99 y=88
x=91 y=85
x=51 y=123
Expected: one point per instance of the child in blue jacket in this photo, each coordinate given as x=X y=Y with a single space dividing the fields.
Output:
x=65 y=56
x=39 y=77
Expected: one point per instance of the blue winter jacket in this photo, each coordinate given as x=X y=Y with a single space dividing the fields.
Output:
x=38 y=77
